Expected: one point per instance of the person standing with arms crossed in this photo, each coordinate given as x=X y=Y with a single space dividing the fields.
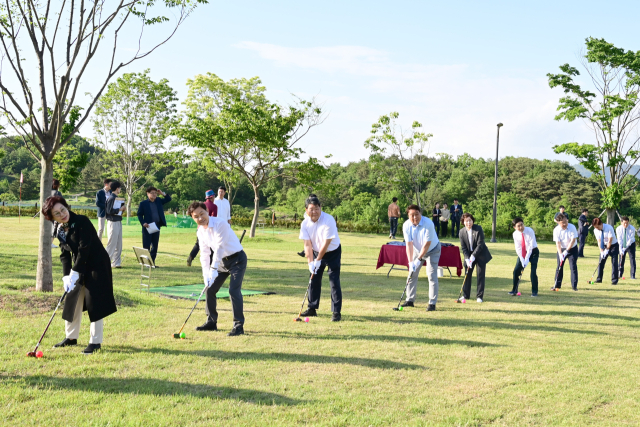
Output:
x=608 y=244
x=101 y=203
x=422 y=244
x=456 y=215
x=444 y=220
x=393 y=212
x=566 y=237
x=583 y=232
x=626 y=235
x=224 y=208
x=524 y=239
x=435 y=217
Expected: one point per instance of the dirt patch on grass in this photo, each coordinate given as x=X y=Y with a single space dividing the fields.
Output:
x=28 y=302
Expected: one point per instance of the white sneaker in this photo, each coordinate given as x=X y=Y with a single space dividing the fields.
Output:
x=479 y=300
x=461 y=299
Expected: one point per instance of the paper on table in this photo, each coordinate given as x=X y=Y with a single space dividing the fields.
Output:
x=153 y=228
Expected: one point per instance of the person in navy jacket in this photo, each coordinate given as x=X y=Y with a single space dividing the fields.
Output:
x=152 y=211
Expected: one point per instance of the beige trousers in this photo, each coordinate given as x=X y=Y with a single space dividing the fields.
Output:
x=114 y=242
x=101 y=222
x=72 y=329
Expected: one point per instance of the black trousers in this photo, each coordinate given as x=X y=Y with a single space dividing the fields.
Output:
x=614 y=251
x=195 y=250
x=466 y=288
x=233 y=266
x=572 y=257
x=455 y=227
x=331 y=261
x=393 y=226
x=533 y=262
x=582 y=238
x=436 y=224
x=150 y=242
x=444 y=228
x=631 y=250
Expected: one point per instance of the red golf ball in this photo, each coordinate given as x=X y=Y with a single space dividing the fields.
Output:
x=39 y=354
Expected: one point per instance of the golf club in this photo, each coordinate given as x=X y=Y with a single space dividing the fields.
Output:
x=519 y=279
x=555 y=280
x=591 y=282
x=298 y=319
x=180 y=334
x=463 y=282
x=33 y=353
x=398 y=308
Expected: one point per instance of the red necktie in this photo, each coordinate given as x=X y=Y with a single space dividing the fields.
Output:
x=524 y=247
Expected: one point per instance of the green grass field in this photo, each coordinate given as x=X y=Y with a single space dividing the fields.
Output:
x=565 y=358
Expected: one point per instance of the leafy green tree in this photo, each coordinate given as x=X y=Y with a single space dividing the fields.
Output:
x=91 y=178
x=243 y=132
x=611 y=111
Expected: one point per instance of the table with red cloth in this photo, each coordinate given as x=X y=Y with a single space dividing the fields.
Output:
x=397 y=255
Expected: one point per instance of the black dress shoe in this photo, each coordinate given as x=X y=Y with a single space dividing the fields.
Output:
x=91 y=348
x=575 y=289
x=302 y=254
x=310 y=312
x=633 y=277
x=189 y=261
x=431 y=307
x=336 y=317
x=513 y=294
x=208 y=326
x=407 y=304
x=238 y=330
x=66 y=342
x=614 y=283
x=598 y=281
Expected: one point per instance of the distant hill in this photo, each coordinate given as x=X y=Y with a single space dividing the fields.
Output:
x=584 y=172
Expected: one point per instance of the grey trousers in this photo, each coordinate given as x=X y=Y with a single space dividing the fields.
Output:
x=432 y=258
x=114 y=242
x=233 y=266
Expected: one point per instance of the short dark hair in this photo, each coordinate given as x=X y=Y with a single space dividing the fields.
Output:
x=107 y=181
x=515 y=221
x=467 y=215
x=152 y=188
x=55 y=182
x=114 y=185
x=222 y=188
x=414 y=208
x=560 y=217
x=48 y=205
x=455 y=200
x=561 y=207
x=395 y=199
x=194 y=206
x=596 y=221
x=585 y=210
x=625 y=218
x=312 y=200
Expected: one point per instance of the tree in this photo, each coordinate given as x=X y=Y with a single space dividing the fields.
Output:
x=246 y=134
x=70 y=161
x=612 y=113
x=390 y=139
x=91 y=175
x=46 y=48
x=132 y=120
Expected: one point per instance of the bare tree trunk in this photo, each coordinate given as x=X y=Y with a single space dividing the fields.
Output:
x=256 y=212
x=44 y=273
x=128 y=206
x=611 y=217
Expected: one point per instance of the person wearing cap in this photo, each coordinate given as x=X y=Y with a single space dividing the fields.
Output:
x=152 y=211
x=323 y=251
x=566 y=237
x=626 y=235
x=608 y=245
x=213 y=211
x=224 y=208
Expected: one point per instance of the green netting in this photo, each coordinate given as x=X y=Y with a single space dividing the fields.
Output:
x=193 y=291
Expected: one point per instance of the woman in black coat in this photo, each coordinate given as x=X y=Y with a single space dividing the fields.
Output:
x=87 y=273
x=476 y=254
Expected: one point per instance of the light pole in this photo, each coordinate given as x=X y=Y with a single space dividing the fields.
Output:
x=495 y=188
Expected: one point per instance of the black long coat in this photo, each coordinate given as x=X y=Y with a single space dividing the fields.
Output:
x=90 y=259
x=481 y=252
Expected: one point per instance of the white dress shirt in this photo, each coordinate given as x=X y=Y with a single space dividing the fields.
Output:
x=565 y=236
x=220 y=237
x=470 y=237
x=224 y=209
x=319 y=232
x=608 y=232
x=631 y=235
x=529 y=241
x=420 y=234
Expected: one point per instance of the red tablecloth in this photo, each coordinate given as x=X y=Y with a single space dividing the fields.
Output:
x=397 y=254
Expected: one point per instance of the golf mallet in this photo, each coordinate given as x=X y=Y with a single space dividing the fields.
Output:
x=398 y=308
x=591 y=282
x=180 y=334
x=555 y=280
x=298 y=319
x=462 y=287
x=519 y=280
x=33 y=353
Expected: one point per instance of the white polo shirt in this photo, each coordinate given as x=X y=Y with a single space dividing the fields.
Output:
x=565 y=236
x=529 y=241
x=224 y=209
x=608 y=232
x=419 y=235
x=320 y=231
x=220 y=237
x=631 y=235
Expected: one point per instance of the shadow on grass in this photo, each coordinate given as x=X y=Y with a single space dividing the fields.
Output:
x=280 y=357
x=156 y=387
x=388 y=338
x=569 y=314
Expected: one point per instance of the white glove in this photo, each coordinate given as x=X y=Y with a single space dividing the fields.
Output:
x=468 y=261
x=565 y=253
x=605 y=253
x=472 y=258
x=67 y=284
x=522 y=261
x=525 y=263
x=417 y=264
x=209 y=278
x=313 y=266
x=622 y=252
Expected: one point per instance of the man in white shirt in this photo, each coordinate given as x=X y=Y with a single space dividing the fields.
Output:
x=566 y=237
x=224 y=208
x=323 y=250
x=229 y=259
x=626 y=235
x=524 y=239
x=422 y=244
x=608 y=245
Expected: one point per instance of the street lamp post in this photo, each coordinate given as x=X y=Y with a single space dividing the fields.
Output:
x=495 y=188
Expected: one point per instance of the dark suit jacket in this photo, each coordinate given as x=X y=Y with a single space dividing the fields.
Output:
x=144 y=211
x=456 y=215
x=435 y=215
x=101 y=202
x=583 y=225
x=480 y=250
x=85 y=254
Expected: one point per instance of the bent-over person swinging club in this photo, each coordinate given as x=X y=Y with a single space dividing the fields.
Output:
x=323 y=250
x=87 y=273
x=422 y=244
x=566 y=237
x=229 y=260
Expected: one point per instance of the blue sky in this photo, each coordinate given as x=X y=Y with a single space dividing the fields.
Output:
x=457 y=67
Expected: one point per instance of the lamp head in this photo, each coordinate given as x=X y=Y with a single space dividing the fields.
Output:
x=500 y=125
